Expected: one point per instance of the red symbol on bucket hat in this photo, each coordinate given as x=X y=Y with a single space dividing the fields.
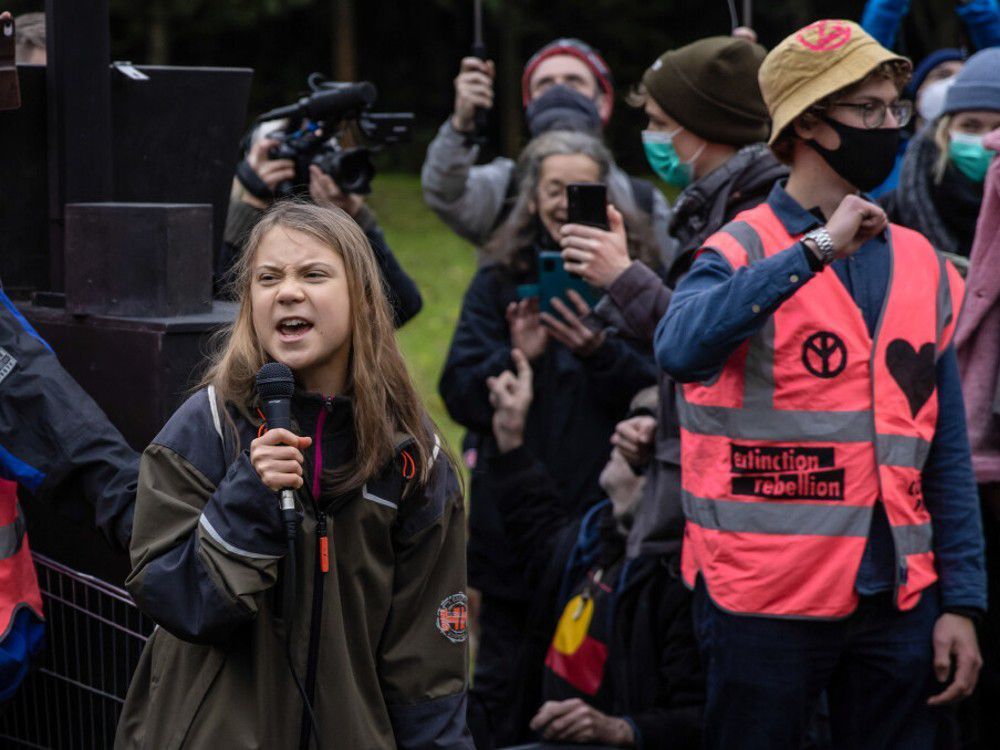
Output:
x=825 y=36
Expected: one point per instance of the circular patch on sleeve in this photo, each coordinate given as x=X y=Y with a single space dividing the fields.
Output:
x=453 y=618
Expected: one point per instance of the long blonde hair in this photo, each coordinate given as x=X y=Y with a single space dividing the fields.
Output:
x=942 y=139
x=384 y=399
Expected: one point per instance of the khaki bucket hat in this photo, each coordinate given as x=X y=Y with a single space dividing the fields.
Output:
x=813 y=63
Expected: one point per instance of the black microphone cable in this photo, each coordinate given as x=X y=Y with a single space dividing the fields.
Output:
x=275 y=386
x=289 y=608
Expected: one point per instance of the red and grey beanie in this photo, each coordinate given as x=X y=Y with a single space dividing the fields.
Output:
x=583 y=52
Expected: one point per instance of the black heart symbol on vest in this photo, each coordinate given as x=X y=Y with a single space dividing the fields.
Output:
x=912 y=370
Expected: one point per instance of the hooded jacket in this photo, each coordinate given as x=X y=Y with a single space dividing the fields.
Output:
x=378 y=639
x=652 y=674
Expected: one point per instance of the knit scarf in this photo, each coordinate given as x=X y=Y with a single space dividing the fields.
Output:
x=913 y=203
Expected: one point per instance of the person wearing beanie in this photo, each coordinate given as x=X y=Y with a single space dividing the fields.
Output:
x=566 y=85
x=707 y=124
x=941 y=181
x=939 y=65
x=706 y=133
x=833 y=532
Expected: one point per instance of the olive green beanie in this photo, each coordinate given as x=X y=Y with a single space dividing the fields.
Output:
x=710 y=87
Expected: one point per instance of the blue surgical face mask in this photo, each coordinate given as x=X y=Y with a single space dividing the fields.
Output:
x=663 y=158
x=970 y=156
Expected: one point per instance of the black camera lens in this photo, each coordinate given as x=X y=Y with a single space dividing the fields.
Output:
x=351 y=169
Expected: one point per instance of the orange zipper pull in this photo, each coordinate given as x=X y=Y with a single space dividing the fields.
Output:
x=324 y=543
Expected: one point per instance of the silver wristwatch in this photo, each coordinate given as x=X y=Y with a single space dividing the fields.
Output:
x=825 y=244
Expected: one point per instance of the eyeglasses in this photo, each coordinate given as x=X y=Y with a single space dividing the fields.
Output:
x=873 y=113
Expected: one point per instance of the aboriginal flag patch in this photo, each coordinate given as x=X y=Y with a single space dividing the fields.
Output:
x=575 y=655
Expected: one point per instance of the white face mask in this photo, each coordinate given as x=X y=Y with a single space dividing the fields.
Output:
x=932 y=98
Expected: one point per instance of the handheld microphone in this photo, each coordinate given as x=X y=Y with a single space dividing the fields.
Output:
x=275 y=386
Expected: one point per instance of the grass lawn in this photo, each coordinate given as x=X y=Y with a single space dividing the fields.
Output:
x=442 y=265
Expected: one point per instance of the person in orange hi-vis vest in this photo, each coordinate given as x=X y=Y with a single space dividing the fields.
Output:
x=833 y=533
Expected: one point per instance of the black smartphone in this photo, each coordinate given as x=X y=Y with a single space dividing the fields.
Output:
x=587 y=203
x=10 y=92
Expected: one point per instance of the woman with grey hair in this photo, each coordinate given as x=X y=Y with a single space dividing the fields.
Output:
x=518 y=232
x=584 y=378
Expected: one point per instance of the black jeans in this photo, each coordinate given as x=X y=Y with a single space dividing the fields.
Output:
x=765 y=676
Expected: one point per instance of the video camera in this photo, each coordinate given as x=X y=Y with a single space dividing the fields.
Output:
x=324 y=117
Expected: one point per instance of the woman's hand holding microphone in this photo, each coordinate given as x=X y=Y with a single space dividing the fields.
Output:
x=277 y=458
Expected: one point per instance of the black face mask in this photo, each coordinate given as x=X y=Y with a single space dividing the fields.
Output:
x=865 y=157
x=562 y=108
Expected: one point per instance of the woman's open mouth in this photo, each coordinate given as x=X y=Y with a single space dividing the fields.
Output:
x=293 y=329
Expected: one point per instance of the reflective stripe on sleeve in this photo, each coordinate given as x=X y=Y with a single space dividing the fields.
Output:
x=770 y=517
x=215 y=535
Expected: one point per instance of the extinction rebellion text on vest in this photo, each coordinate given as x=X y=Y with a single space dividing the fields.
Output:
x=815 y=476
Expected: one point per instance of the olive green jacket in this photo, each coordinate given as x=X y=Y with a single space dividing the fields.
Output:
x=379 y=640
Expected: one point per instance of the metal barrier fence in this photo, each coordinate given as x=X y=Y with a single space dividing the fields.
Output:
x=74 y=695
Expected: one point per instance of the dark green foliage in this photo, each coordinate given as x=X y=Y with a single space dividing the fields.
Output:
x=411 y=49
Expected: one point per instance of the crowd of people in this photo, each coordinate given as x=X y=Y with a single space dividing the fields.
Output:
x=734 y=484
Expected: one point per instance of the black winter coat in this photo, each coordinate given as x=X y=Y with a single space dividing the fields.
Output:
x=576 y=405
x=653 y=667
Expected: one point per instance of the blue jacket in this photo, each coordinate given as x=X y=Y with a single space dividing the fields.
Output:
x=981 y=18
x=57 y=445
x=712 y=313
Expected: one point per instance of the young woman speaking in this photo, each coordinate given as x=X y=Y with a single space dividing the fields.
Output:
x=373 y=650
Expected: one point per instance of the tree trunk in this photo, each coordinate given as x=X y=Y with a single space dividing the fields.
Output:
x=158 y=41
x=510 y=110
x=345 y=54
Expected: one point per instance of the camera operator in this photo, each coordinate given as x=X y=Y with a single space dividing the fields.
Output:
x=248 y=202
x=566 y=85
